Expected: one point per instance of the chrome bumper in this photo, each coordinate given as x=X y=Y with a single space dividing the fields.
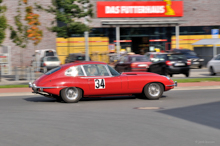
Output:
x=175 y=84
x=36 y=88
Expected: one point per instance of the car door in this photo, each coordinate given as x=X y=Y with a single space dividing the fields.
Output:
x=158 y=62
x=216 y=64
x=102 y=82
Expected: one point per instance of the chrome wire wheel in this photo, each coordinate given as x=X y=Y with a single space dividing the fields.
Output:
x=72 y=93
x=154 y=89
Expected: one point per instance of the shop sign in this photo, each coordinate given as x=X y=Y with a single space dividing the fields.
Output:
x=215 y=33
x=166 y=8
x=3 y=58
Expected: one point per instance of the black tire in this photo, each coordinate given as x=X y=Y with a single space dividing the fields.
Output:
x=212 y=72
x=171 y=75
x=71 y=94
x=200 y=66
x=150 y=92
x=164 y=72
x=187 y=74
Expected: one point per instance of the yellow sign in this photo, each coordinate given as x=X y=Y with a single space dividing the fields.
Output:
x=169 y=9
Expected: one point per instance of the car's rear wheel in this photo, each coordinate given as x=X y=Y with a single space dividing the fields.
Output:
x=153 y=91
x=171 y=75
x=71 y=95
x=212 y=72
x=187 y=74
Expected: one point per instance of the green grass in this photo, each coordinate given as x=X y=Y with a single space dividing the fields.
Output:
x=196 y=80
x=13 y=86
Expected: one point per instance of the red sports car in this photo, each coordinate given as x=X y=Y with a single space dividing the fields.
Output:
x=71 y=82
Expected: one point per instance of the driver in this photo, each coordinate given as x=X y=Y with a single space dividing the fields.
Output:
x=93 y=71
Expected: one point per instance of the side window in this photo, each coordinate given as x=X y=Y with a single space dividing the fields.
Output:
x=74 y=71
x=126 y=59
x=121 y=60
x=102 y=70
x=157 y=58
x=217 y=58
x=95 y=70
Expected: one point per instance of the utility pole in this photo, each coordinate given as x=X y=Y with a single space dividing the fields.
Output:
x=86 y=35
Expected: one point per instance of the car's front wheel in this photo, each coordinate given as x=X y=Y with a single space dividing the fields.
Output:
x=212 y=72
x=153 y=91
x=71 y=95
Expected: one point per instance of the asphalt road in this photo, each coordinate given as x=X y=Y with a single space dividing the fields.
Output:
x=180 y=118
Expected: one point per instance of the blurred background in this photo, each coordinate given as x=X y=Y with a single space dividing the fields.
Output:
x=36 y=36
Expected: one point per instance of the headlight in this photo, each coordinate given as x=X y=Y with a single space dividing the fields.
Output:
x=167 y=77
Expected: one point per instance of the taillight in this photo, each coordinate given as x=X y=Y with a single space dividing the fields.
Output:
x=169 y=63
x=132 y=65
x=44 y=64
x=188 y=62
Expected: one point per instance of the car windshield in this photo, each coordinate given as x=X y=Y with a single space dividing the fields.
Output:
x=139 y=58
x=113 y=72
x=176 y=57
x=53 y=70
x=52 y=59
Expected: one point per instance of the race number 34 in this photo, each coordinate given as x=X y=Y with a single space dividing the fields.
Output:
x=99 y=84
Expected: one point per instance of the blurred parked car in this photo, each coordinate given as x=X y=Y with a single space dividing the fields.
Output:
x=214 y=65
x=49 y=62
x=191 y=56
x=75 y=57
x=134 y=63
x=169 y=64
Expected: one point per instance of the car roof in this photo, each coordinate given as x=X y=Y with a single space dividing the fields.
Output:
x=155 y=53
x=77 y=54
x=133 y=55
x=82 y=63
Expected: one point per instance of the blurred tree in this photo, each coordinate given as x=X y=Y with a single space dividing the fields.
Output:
x=33 y=32
x=3 y=22
x=68 y=12
x=23 y=32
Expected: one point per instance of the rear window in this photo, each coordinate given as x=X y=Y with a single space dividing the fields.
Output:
x=80 y=57
x=176 y=57
x=53 y=70
x=52 y=59
x=191 y=53
x=139 y=58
